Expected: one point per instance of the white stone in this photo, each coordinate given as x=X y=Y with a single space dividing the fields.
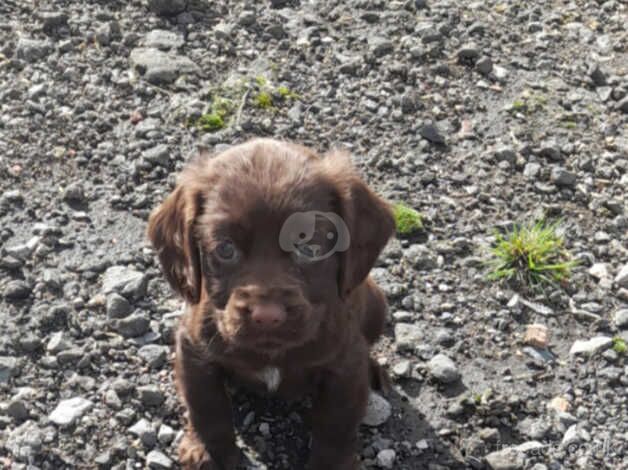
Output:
x=378 y=410
x=68 y=411
x=591 y=346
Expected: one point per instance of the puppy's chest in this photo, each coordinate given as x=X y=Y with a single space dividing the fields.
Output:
x=269 y=377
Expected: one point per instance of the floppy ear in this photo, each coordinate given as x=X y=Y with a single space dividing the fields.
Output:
x=171 y=231
x=367 y=216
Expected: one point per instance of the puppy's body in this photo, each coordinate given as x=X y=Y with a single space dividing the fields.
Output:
x=279 y=321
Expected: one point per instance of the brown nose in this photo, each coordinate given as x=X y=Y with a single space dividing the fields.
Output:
x=268 y=315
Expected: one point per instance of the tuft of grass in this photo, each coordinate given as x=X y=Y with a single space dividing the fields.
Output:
x=407 y=220
x=619 y=345
x=264 y=100
x=531 y=254
x=518 y=105
x=286 y=93
x=261 y=81
x=210 y=122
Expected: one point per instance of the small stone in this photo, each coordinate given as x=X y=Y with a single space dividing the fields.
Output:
x=599 y=271
x=621 y=279
x=562 y=177
x=31 y=50
x=154 y=355
x=165 y=435
x=621 y=319
x=505 y=153
x=550 y=150
x=25 y=441
x=117 y=306
x=574 y=436
x=506 y=459
x=402 y=368
x=57 y=343
x=157 y=460
x=74 y=193
x=380 y=46
x=532 y=170
x=597 y=75
x=17 y=290
x=17 y=409
x=432 y=133
x=559 y=404
x=112 y=400
x=8 y=368
x=421 y=257
x=150 y=395
x=167 y=7
x=145 y=431
x=537 y=335
x=623 y=105
x=468 y=54
x=68 y=411
x=443 y=369
x=378 y=410
x=264 y=429
x=133 y=325
x=158 y=155
x=53 y=20
x=591 y=346
x=124 y=281
x=159 y=67
x=408 y=336
x=484 y=65
x=386 y=458
x=163 y=39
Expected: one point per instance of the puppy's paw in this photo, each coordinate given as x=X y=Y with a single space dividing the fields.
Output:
x=194 y=456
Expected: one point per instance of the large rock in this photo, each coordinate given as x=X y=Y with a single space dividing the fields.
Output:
x=160 y=67
x=378 y=410
x=124 y=281
x=443 y=369
x=68 y=411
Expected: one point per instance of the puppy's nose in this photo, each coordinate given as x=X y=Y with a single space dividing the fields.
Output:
x=268 y=315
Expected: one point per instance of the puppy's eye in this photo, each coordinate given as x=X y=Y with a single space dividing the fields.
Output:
x=227 y=252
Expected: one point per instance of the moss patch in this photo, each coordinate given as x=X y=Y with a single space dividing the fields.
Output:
x=619 y=346
x=407 y=220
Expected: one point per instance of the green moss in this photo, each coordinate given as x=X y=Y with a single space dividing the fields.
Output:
x=210 y=122
x=286 y=93
x=531 y=254
x=619 y=346
x=518 y=105
x=261 y=81
x=263 y=100
x=407 y=220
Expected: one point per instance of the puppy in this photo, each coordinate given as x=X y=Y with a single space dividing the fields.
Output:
x=270 y=245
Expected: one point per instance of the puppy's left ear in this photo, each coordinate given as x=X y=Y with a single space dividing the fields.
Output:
x=368 y=217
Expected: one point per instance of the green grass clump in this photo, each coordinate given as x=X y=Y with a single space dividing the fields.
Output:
x=619 y=345
x=531 y=254
x=210 y=122
x=286 y=93
x=264 y=100
x=407 y=220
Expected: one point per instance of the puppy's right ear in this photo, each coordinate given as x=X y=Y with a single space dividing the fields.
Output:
x=171 y=231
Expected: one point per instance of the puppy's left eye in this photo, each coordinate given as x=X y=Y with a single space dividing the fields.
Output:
x=227 y=252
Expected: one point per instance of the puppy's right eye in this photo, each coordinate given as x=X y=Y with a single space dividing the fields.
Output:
x=227 y=252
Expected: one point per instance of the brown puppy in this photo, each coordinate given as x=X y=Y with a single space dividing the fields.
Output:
x=271 y=245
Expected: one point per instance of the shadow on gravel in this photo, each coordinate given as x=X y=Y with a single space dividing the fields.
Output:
x=275 y=434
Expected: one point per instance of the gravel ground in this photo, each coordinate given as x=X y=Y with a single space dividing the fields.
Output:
x=478 y=114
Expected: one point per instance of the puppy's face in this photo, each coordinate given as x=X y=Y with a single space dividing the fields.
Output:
x=272 y=238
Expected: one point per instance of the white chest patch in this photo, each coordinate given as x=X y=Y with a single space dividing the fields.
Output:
x=271 y=376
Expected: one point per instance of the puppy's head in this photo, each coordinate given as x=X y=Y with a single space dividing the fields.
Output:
x=272 y=237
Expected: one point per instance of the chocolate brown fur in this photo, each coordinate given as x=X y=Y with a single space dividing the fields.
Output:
x=264 y=307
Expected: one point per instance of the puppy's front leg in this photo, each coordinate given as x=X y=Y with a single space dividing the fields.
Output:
x=210 y=444
x=337 y=412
